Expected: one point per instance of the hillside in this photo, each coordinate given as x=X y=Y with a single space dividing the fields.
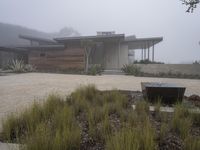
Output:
x=9 y=34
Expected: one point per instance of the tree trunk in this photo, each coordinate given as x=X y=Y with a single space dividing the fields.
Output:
x=87 y=63
x=87 y=53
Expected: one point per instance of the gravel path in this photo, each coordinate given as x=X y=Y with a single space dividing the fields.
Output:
x=19 y=90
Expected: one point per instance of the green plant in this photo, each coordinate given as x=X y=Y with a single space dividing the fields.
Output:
x=29 y=68
x=95 y=69
x=146 y=61
x=131 y=69
x=181 y=121
x=192 y=143
x=157 y=109
x=125 y=139
x=195 y=118
x=139 y=138
x=163 y=130
x=17 y=66
x=25 y=123
x=142 y=107
x=9 y=128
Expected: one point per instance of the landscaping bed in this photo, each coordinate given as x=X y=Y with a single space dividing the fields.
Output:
x=89 y=119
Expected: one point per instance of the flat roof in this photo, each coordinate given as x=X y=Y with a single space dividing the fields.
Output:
x=143 y=43
x=37 y=39
x=95 y=38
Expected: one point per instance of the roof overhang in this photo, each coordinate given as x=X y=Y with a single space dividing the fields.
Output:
x=98 y=38
x=37 y=39
x=143 y=43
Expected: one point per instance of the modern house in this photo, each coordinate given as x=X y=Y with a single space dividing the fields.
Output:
x=106 y=48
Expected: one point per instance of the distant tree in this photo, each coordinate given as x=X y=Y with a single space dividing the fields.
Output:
x=196 y=62
x=68 y=31
x=192 y=4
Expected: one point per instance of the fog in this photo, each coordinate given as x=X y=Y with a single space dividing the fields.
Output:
x=143 y=18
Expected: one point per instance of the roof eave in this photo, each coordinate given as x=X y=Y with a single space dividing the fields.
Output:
x=95 y=38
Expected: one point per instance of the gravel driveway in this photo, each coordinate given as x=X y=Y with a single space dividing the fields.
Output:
x=19 y=90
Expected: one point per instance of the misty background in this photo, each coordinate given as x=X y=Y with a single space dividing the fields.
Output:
x=144 y=18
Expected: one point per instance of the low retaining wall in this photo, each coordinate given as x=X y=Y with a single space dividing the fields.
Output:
x=189 y=69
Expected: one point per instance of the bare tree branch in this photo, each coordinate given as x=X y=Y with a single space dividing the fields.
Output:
x=192 y=4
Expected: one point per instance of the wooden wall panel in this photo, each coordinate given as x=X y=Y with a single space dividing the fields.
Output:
x=55 y=60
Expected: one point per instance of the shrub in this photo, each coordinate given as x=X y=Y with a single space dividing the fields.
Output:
x=195 y=118
x=146 y=61
x=29 y=68
x=163 y=130
x=17 y=66
x=131 y=69
x=192 y=143
x=95 y=70
x=133 y=138
x=25 y=123
x=181 y=121
x=142 y=107
x=125 y=139
x=157 y=109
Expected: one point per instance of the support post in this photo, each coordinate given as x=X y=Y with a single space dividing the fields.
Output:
x=119 y=55
x=153 y=52
x=148 y=52
x=142 y=54
x=145 y=53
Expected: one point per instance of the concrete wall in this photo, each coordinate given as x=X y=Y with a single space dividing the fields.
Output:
x=190 y=69
x=115 y=56
x=123 y=59
x=111 y=56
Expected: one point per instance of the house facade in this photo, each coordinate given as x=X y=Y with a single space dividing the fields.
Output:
x=106 y=48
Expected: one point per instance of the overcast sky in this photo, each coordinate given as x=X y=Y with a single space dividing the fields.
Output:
x=144 y=18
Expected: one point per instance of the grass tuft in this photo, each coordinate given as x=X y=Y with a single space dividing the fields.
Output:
x=181 y=121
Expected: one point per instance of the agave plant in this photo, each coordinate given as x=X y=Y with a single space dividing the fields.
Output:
x=131 y=69
x=17 y=66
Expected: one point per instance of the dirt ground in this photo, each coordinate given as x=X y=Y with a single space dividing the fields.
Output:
x=20 y=90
